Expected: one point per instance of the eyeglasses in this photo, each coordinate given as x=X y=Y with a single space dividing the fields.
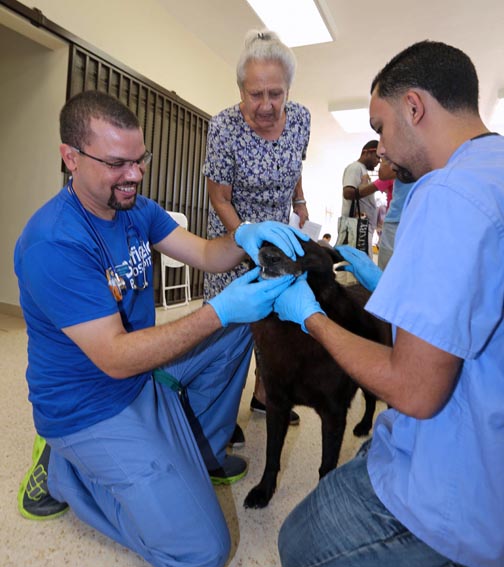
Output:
x=120 y=164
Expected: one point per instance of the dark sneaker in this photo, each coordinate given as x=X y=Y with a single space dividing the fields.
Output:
x=34 y=500
x=237 y=439
x=233 y=470
x=259 y=407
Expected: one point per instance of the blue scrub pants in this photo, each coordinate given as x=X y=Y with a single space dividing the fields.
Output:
x=140 y=477
x=342 y=523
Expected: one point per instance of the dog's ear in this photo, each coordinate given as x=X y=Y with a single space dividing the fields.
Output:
x=311 y=245
x=316 y=259
x=335 y=255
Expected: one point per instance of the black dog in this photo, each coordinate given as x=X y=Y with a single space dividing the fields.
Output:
x=296 y=369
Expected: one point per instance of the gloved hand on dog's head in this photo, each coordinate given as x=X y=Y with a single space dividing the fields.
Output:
x=361 y=266
x=248 y=299
x=297 y=303
x=250 y=237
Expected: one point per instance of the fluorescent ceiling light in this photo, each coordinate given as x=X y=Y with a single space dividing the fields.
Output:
x=297 y=22
x=353 y=118
x=497 y=118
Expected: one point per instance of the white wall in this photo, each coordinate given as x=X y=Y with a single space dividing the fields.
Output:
x=32 y=93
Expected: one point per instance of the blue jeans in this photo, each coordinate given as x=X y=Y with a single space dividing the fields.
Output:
x=342 y=523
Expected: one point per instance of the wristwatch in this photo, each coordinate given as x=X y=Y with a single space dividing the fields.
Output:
x=233 y=232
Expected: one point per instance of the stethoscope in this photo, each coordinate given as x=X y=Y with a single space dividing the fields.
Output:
x=116 y=282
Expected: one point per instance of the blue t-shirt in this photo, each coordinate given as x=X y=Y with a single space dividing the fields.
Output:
x=443 y=477
x=399 y=194
x=60 y=263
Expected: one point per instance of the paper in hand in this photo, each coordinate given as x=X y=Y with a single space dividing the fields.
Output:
x=312 y=229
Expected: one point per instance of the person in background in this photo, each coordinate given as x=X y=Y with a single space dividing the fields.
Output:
x=385 y=181
x=254 y=156
x=133 y=419
x=427 y=489
x=325 y=240
x=385 y=185
x=356 y=183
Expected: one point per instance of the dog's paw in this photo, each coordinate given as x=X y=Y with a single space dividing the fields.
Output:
x=257 y=498
x=361 y=430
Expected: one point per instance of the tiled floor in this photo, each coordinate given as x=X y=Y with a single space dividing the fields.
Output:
x=68 y=542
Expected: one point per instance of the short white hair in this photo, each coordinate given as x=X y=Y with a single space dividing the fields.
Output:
x=265 y=45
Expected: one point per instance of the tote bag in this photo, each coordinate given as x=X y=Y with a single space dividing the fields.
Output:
x=353 y=230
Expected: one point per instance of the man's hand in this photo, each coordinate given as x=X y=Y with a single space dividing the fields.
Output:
x=361 y=266
x=246 y=300
x=297 y=303
x=250 y=237
x=365 y=180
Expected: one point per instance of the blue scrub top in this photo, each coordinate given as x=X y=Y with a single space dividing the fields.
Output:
x=443 y=477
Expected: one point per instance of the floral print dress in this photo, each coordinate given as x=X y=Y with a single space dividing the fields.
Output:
x=262 y=173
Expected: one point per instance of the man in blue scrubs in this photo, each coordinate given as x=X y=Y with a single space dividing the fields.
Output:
x=428 y=490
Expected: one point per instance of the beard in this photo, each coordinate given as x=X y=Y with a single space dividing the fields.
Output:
x=414 y=155
x=113 y=203
x=404 y=175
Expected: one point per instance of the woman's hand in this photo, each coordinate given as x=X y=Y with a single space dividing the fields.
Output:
x=302 y=212
x=250 y=237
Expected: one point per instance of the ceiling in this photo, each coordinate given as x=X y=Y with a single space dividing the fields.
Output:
x=366 y=36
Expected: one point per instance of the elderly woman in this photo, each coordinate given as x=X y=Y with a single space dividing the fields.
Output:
x=254 y=154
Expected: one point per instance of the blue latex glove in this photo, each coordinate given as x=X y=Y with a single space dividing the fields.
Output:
x=297 y=303
x=245 y=300
x=361 y=266
x=251 y=236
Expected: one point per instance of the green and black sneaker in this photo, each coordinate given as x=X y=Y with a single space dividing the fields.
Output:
x=34 y=500
x=233 y=470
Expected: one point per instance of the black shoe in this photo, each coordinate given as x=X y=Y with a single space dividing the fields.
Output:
x=258 y=407
x=34 y=500
x=237 y=439
x=233 y=469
